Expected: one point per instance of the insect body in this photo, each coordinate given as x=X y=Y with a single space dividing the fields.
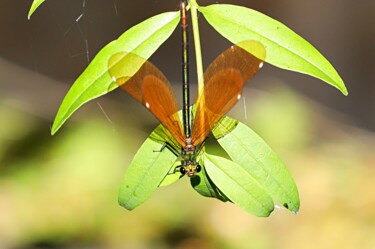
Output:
x=224 y=80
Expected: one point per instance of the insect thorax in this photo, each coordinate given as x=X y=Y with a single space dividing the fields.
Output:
x=189 y=147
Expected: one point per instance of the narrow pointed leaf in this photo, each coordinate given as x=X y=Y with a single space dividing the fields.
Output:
x=285 y=48
x=34 y=6
x=239 y=186
x=145 y=173
x=250 y=151
x=142 y=40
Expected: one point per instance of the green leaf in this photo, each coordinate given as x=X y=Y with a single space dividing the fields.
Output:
x=239 y=185
x=285 y=49
x=250 y=151
x=171 y=177
x=173 y=174
x=141 y=40
x=204 y=186
x=145 y=173
x=34 y=6
x=224 y=126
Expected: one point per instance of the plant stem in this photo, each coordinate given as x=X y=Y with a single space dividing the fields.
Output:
x=197 y=44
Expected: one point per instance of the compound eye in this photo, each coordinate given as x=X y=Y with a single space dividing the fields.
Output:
x=198 y=168
x=182 y=171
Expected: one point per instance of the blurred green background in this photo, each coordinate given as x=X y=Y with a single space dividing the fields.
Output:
x=61 y=191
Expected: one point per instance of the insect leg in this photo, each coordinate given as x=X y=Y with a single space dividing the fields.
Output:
x=162 y=147
x=171 y=148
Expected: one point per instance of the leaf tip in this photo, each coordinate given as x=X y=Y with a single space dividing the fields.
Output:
x=31 y=11
x=34 y=6
x=342 y=88
x=344 y=91
x=55 y=127
x=53 y=132
x=293 y=207
x=122 y=204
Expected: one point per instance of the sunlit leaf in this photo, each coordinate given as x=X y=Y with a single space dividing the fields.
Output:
x=285 y=49
x=250 y=151
x=171 y=177
x=145 y=173
x=142 y=40
x=173 y=174
x=34 y=6
x=239 y=185
x=224 y=126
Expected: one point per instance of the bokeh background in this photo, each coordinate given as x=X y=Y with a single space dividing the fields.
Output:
x=61 y=191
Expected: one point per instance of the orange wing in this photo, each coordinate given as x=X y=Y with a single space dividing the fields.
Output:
x=224 y=80
x=151 y=88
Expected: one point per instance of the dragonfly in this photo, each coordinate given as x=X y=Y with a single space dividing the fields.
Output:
x=224 y=80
